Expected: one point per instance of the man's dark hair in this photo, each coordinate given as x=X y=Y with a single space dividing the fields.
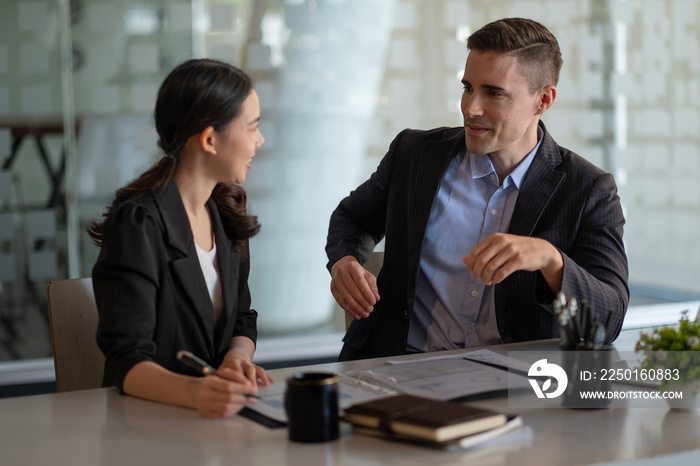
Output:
x=534 y=46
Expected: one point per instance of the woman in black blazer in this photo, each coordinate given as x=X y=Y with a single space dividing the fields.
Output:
x=173 y=269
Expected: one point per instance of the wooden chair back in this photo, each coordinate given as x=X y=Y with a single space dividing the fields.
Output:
x=78 y=361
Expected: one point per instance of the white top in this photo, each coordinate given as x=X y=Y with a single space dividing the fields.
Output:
x=210 y=270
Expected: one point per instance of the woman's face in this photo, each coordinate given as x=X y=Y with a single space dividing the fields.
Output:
x=237 y=143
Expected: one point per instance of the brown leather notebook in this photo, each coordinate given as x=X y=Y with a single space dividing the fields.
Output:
x=423 y=418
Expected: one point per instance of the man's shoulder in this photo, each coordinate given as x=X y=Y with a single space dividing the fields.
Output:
x=561 y=158
x=435 y=134
x=570 y=160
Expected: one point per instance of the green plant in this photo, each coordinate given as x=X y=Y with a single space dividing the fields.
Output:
x=676 y=348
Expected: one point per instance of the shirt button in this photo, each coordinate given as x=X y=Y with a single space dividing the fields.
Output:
x=494 y=212
x=493 y=177
x=469 y=331
x=474 y=292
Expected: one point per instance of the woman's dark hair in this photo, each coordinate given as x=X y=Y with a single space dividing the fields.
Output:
x=197 y=94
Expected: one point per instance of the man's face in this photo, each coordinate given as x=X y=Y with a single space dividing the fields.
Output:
x=500 y=113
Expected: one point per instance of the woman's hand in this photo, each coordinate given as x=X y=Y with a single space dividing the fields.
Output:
x=223 y=394
x=249 y=370
x=217 y=395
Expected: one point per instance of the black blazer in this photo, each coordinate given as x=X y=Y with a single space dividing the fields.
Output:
x=564 y=199
x=150 y=290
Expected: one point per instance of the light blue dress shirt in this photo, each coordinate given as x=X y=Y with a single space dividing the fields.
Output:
x=452 y=309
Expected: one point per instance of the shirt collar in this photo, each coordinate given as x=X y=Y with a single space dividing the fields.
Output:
x=481 y=165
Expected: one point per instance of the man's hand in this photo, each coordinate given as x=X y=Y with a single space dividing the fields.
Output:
x=499 y=255
x=354 y=287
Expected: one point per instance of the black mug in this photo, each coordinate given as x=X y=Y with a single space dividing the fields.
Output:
x=311 y=402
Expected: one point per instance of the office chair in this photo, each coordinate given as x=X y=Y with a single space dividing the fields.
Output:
x=78 y=361
x=374 y=266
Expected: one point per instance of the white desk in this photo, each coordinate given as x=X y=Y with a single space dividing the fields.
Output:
x=100 y=427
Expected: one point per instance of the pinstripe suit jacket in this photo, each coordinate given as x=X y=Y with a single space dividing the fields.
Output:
x=564 y=199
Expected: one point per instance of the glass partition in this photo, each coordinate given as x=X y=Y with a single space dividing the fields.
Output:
x=36 y=140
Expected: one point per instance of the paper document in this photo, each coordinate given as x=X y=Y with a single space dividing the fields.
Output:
x=482 y=355
x=350 y=392
x=429 y=358
x=491 y=357
x=439 y=378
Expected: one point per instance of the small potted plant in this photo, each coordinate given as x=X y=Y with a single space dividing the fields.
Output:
x=673 y=358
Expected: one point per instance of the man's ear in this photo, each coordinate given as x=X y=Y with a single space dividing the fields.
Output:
x=207 y=140
x=547 y=98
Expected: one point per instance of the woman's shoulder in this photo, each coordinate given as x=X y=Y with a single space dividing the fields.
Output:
x=136 y=210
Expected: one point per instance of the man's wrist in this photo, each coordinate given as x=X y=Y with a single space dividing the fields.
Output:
x=554 y=271
x=340 y=262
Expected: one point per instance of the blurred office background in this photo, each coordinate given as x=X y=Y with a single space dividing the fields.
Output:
x=337 y=79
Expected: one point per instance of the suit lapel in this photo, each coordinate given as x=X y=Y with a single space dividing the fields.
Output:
x=539 y=185
x=432 y=161
x=186 y=269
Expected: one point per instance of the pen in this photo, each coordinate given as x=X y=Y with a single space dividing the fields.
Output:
x=598 y=336
x=193 y=362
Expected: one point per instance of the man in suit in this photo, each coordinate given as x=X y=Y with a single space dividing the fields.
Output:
x=483 y=224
